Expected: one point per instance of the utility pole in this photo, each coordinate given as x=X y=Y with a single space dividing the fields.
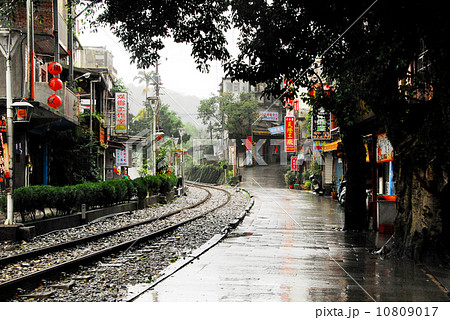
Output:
x=70 y=21
x=30 y=45
x=156 y=105
x=56 y=30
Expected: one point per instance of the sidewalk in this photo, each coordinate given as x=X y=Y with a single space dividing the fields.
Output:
x=290 y=248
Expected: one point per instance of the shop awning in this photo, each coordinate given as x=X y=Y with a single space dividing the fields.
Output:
x=331 y=146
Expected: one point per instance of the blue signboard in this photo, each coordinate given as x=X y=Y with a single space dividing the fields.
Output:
x=276 y=130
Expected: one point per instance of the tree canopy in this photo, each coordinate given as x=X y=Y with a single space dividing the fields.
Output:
x=169 y=122
x=226 y=112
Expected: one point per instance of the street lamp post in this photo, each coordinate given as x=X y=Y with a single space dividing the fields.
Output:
x=11 y=43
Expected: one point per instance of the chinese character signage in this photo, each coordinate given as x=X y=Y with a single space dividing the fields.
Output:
x=248 y=144
x=321 y=125
x=296 y=105
x=289 y=133
x=293 y=163
x=318 y=145
x=121 y=158
x=121 y=112
x=385 y=152
x=269 y=116
x=276 y=130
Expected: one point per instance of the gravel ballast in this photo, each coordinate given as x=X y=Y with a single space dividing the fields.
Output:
x=112 y=278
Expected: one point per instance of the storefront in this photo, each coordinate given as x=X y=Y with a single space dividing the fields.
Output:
x=386 y=199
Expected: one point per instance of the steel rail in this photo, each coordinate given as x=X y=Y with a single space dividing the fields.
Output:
x=70 y=244
x=9 y=288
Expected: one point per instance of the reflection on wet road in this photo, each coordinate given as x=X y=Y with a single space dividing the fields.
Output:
x=296 y=251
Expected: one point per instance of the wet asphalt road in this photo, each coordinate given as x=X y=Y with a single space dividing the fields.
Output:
x=291 y=248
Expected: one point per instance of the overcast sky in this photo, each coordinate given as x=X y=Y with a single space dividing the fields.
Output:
x=177 y=68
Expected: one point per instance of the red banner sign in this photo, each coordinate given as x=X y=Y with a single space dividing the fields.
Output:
x=293 y=163
x=248 y=144
x=289 y=133
x=296 y=105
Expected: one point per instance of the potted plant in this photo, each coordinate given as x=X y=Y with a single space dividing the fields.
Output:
x=307 y=185
x=290 y=178
x=333 y=188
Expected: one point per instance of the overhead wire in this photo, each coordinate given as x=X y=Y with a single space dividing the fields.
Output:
x=321 y=56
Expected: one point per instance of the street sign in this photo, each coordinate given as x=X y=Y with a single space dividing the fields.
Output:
x=269 y=116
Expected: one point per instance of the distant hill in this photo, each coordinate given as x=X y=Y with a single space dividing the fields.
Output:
x=184 y=105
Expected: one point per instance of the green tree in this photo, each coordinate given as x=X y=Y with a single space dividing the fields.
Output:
x=119 y=86
x=170 y=123
x=146 y=77
x=212 y=112
x=137 y=124
x=240 y=116
x=225 y=112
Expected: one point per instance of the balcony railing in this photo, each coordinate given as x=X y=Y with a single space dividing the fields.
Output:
x=69 y=106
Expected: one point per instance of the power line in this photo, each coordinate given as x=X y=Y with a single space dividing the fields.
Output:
x=320 y=56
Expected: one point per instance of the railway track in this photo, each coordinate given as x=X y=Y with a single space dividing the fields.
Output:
x=98 y=246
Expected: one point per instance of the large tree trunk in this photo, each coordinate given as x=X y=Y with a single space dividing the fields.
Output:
x=422 y=229
x=422 y=163
x=355 y=205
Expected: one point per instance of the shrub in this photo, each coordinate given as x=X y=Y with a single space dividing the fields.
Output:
x=141 y=188
x=168 y=181
x=68 y=199
x=290 y=177
x=153 y=184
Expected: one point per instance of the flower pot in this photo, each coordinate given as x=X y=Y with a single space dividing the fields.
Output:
x=291 y=186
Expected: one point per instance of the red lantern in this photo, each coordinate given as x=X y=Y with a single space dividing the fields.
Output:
x=54 y=68
x=54 y=101
x=55 y=84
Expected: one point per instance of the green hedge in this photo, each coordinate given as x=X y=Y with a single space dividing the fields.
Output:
x=28 y=201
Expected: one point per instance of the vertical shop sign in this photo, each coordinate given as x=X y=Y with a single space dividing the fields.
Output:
x=121 y=158
x=293 y=163
x=248 y=144
x=4 y=164
x=321 y=125
x=296 y=105
x=385 y=152
x=289 y=133
x=249 y=152
x=121 y=112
